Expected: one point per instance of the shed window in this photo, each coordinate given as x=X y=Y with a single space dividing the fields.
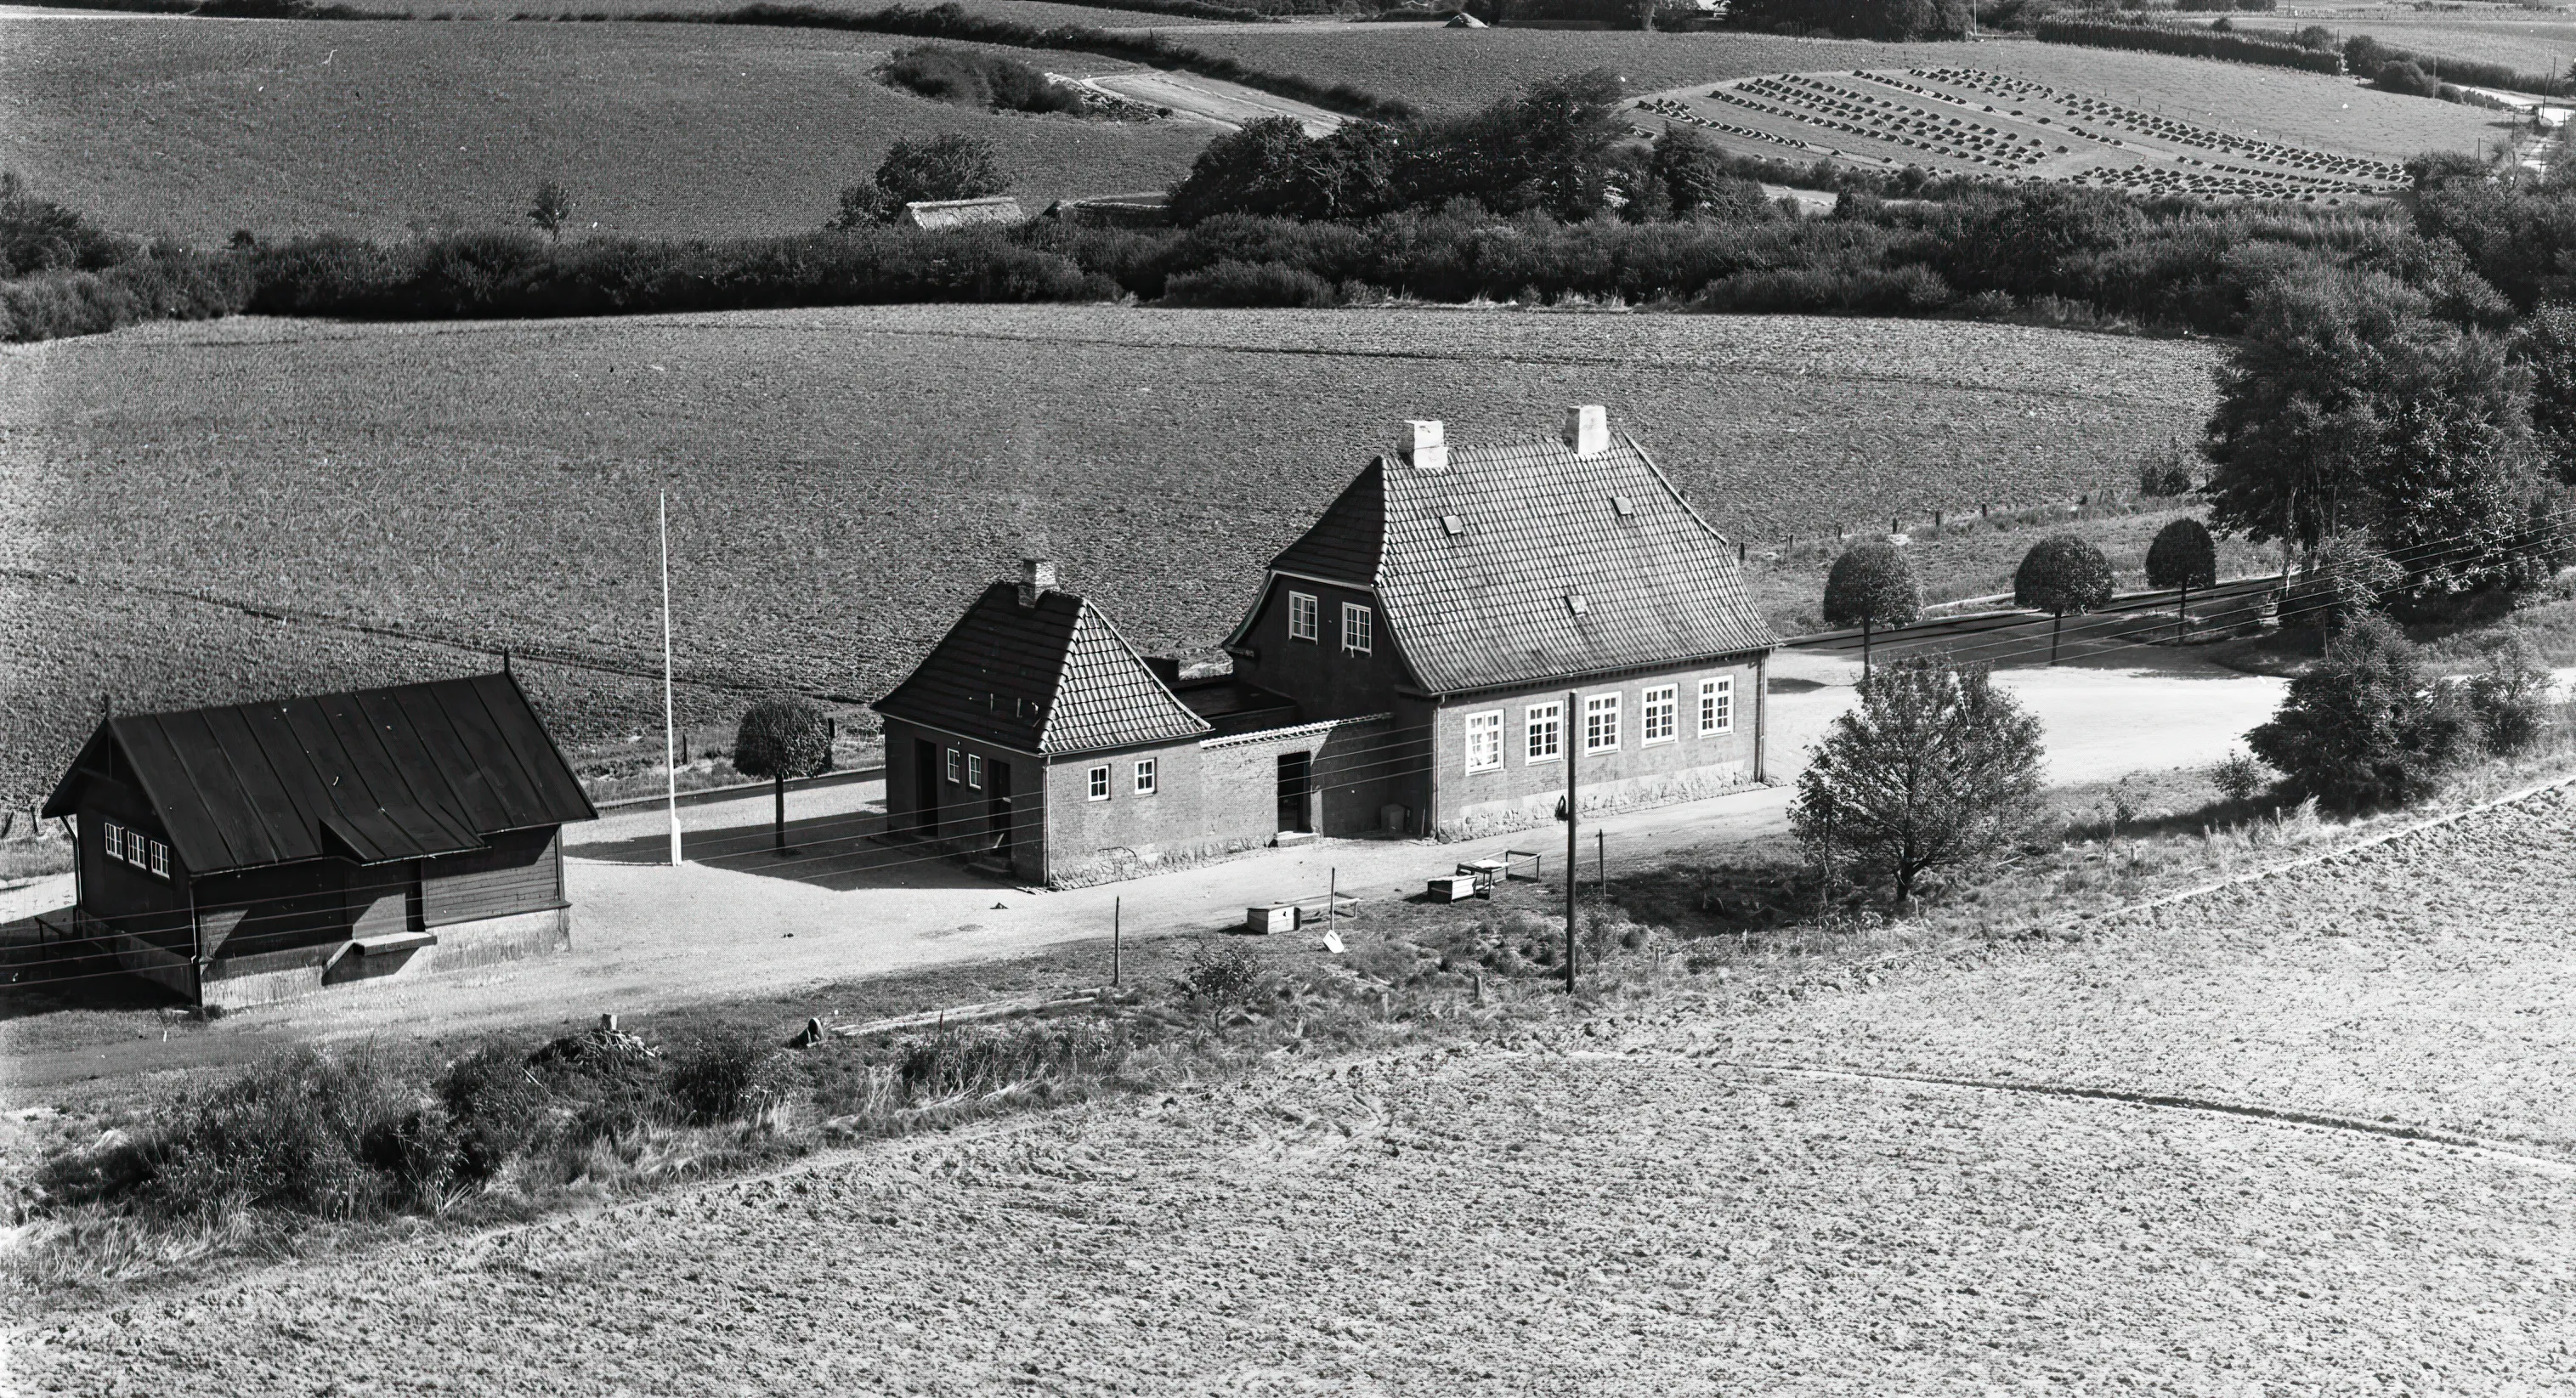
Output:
x=1356 y=628
x=1144 y=776
x=1658 y=711
x=1304 y=617
x=975 y=770
x=954 y=758
x=1099 y=783
x=160 y=859
x=134 y=853
x=1601 y=723
x=1546 y=725
x=115 y=840
x=1717 y=705
x=1485 y=741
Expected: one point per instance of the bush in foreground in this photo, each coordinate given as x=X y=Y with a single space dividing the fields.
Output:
x=2367 y=727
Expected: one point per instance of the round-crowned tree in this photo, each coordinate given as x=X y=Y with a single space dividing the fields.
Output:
x=1871 y=586
x=783 y=736
x=2182 y=557
x=2061 y=574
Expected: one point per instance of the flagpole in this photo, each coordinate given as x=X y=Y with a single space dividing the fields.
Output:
x=670 y=724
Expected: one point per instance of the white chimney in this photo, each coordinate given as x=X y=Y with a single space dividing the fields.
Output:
x=1587 y=430
x=1037 y=579
x=1426 y=445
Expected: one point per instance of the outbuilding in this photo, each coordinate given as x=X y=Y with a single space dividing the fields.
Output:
x=252 y=852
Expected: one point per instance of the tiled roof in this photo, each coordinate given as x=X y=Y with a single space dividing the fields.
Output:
x=1489 y=605
x=403 y=773
x=1055 y=678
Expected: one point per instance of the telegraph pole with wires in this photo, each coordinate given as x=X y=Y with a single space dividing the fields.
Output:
x=670 y=717
x=1573 y=841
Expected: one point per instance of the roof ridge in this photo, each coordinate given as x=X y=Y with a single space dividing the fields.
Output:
x=1086 y=613
x=1673 y=490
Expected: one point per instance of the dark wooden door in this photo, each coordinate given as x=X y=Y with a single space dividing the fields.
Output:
x=997 y=806
x=925 y=787
x=1296 y=778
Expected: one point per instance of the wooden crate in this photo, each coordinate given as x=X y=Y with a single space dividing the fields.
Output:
x=1452 y=888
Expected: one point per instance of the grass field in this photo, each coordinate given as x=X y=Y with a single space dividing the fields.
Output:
x=2531 y=41
x=199 y=127
x=843 y=480
x=1045 y=14
x=1450 y=69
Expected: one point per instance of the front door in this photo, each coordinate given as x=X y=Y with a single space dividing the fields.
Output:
x=997 y=807
x=1296 y=778
x=925 y=787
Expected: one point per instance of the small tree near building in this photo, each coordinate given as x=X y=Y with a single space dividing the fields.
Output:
x=551 y=209
x=2366 y=727
x=2061 y=574
x=923 y=171
x=1872 y=586
x=2183 y=556
x=783 y=736
x=1936 y=768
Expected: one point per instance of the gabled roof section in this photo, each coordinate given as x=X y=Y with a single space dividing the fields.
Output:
x=409 y=772
x=1054 y=678
x=1524 y=562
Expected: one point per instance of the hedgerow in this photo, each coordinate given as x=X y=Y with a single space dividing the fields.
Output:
x=2191 y=43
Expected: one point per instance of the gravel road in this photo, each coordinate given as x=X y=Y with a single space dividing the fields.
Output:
x=1615 y=1206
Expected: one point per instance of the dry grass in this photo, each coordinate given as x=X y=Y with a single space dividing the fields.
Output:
x=844 y=480
x=196 y=128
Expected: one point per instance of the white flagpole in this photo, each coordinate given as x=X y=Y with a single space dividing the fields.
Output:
x=670 y=724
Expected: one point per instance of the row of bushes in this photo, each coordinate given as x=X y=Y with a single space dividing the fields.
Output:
x=970 y=78
x=949 y=21
x=158 y=284
x=2190 y=43
x=2365 y=54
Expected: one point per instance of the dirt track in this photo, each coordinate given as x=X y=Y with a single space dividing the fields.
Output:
x=1614 y=1207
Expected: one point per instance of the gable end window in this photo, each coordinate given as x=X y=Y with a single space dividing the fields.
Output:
x=975 y=770
x=1099 y=783
x=1485 y=741
x=1601 y=723
x=114 y=842
x=160 y=859
x=1304 y=617
x=953 y=760
x=1657 y=714
x=1546 y=722
x=1717 y=705
x=1144 y=776
x=1356 y=628
x=134 y=843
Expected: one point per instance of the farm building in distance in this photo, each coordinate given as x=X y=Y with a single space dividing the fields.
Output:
x=962 y=213
x=1458 y=627
x=253 y=852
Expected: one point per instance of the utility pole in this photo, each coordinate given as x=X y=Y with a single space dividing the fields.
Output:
x=1117 y=906
x=1573 y=842
x=670 y=721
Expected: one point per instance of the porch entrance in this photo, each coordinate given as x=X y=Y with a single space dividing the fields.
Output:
x=1296 y=782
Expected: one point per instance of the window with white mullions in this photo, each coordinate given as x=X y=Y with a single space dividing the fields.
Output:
x=1658 y=714
x=1358 y=629
x=1144 y=776
x=1717 y=705
x=1305 y=619
x=1485 y=741
x=1601 y=723
x=1546 y=725
x=114 y=840
x=975 y=771
x=1099 y=783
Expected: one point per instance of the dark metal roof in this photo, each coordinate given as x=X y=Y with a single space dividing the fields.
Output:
x=1052 y=678
x=1474 y=566
x=379 y=774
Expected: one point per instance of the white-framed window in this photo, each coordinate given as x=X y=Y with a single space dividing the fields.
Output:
x=1144 y=776
x=1658 y=714
x=134 y=852
x=975 y=770
x=1356 y=628
x=114 y=842
x=953 y=760
x=160 y=859
x=1601 y=723
x=1717 y=705
x=1545 y=728
x=1485 y=741
x=1100 y=783
x=1305 y=619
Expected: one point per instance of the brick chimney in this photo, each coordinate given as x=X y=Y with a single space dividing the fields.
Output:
x=1037 y=579
x=1587 y=430
x=1426 y=445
